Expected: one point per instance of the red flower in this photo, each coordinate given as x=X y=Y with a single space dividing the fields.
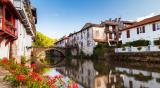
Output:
x=54 y=86
x=51 y=81
x=33 y=65
x=4 y=60
x=35 y=76
x=21 y=77
x=75 y=85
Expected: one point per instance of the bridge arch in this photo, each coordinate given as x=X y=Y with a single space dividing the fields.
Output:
x=38 y=50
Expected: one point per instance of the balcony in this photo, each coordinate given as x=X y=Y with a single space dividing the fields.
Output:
x=10 y=29
x=22 y=9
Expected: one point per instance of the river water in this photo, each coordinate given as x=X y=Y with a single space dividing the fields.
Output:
x=103 y=74
x=109 y=74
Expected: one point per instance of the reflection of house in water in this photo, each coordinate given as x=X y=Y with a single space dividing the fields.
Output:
x=111 y=80
x=133 y=78
x=86 y=74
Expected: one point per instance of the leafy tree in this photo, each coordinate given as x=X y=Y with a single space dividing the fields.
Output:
x=43 y=40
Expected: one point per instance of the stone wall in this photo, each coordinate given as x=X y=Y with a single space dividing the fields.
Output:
x=137 y=56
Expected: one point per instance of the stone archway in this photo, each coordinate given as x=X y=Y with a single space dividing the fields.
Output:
x=38 y=50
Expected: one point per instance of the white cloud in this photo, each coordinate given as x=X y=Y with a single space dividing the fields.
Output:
x=148 y=16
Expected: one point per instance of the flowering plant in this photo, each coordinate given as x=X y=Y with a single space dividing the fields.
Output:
x=22 y=76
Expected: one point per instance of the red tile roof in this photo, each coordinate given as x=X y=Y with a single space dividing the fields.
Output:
x=110 y=23
x=143 y=22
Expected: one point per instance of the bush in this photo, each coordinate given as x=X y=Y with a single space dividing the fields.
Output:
x=23 y=60
x=123 y=49
x=157 y=42
x=140 y=43
x=139 y=48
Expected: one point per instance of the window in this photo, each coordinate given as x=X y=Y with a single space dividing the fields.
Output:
x=88 y=43
x=128 y=33
x=110 y=35
x=87 y=33
x=141 y=29
x=158 y=26
x=89 y=72
x=81 y=36
x=137 y=30
x=81 y=44
x=97 y=33
x=154 y=27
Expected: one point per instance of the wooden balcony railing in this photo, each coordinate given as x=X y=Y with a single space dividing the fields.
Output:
x=10 y=28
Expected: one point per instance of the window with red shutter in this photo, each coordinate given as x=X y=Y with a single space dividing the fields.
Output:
x=154 y=27
x=143 y=29
x=137 y=30
x=128 y=33
x=110 y=35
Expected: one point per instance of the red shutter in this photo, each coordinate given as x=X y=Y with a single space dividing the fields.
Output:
x=137 y=30
x=154 y=27
x=143 y=29
x=110 y=35
x=128 y=34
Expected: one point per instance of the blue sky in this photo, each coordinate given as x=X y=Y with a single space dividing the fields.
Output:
x=57 y=18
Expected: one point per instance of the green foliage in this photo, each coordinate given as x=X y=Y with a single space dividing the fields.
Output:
x=68 y=57
x=123 y=49
x=137 y=43
x=99 y=50
x=139 y=48
x=23 y=59
x=43 y=40
x=157 y=42
x=140 y=43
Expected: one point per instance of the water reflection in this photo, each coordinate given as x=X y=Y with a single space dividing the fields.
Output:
x=100 y=74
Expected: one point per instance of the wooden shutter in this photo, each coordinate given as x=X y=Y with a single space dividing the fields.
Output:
x=137 y=30
x=154 y=27
x=143 y=29
x=110 y=35
x=128 y=34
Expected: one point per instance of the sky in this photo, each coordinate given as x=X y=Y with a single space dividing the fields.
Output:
x=57 y=18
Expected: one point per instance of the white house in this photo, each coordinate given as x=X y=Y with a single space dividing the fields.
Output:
x=62 y=42
x=17 y=28
x=26 y=28
x=91 y=35
x=8 y=28
x=147 y=29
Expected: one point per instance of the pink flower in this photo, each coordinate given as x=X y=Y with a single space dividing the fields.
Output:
x=33 y=65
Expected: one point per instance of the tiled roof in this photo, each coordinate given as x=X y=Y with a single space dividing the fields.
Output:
x=110 y=23
x=143 y=22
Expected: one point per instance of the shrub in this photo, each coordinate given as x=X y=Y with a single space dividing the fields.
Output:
x=157 y=42
x=139 y=48
x=23 y=60
x=123 y=49
x=140 y=43
x=128 y=44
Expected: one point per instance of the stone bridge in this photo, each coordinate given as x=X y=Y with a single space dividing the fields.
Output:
x=38 y=50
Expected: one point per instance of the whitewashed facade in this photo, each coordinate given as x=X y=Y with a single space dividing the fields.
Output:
x=87 y=38
x=26 y=28
x=62 y=42
x=147 y=29
x=21 y=29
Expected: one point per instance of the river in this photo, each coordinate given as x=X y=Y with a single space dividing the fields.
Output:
x=101 y=74
x=107 y=74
